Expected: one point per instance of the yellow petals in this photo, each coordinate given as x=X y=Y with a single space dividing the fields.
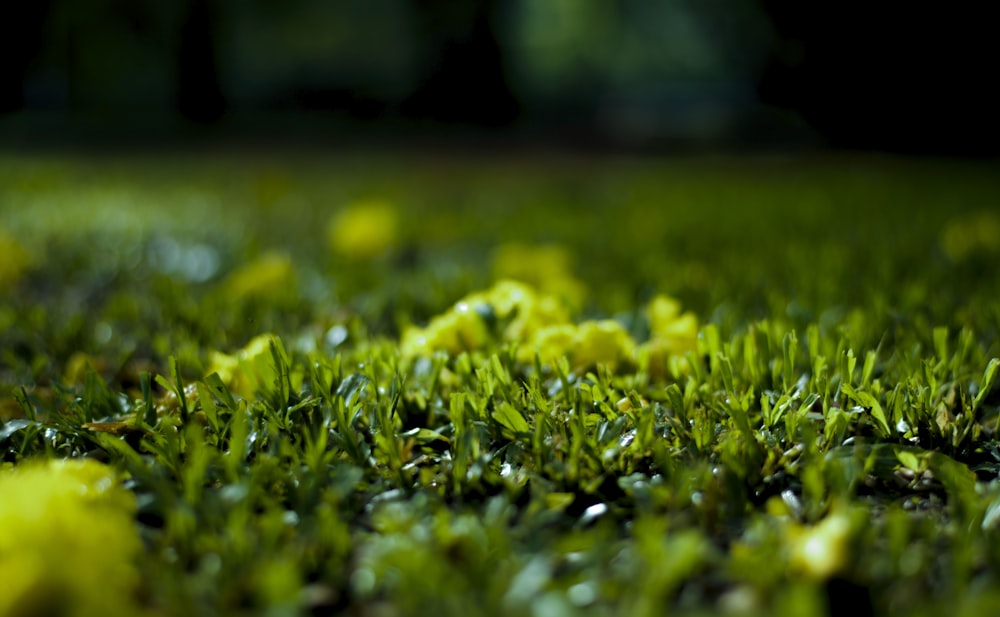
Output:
x=250 y=369
x=970 y=235
x=269 y=274
x=550 y=344
x=547 y=268
x=540 y=325
x=672 y=334
x=526 y=310
x=601 y=342
x=14 y=260
x=459 y=329
x=364 y=230
x=469 y=324
x=820 y=551
x=68 y=543
x=585 y=345
x=666 y=323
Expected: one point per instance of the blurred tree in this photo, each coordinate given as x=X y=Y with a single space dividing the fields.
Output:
x=21 y=41
x=461 y=74
x=353 y=56
x=199 y=94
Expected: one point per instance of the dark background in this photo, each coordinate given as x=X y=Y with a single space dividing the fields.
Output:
x=607 y=74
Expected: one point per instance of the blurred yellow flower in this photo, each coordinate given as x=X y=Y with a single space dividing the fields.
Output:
x=249 y=370
x=523 y=309
x=14 y=259
x=459 y=329
x=269 y=274
x=820 y=551
x=601 y=342
x=976 y=233
x=550 y=344
x=671 y=333
x=470 y=323
x=584 y=345
x=548 y=268
x=68 y=544
x=363 y=230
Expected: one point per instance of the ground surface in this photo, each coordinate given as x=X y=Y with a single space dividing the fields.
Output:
x=752 y=386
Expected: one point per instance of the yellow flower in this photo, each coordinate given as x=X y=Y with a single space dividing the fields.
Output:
x=585 y=345
x=526 y=310
x=667 y=323
x=250 y=369
x=671 y=334
x=601 y=342
x=459 y=329
x=820 y=551
x=547 y=268
x=270 y=273
x=363 y=230
x=68 y=544
x=978 y=233
x=14 y=259
x=539 y=323
x=550 y=344
x=465 y=326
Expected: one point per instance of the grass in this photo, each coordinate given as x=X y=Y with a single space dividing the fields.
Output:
x=829 y=432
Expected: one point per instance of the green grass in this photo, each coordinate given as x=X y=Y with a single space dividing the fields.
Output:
x=833 y=433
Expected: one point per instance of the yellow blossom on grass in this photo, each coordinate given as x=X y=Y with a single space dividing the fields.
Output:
x=601 y=342
x=671 y=334
x=14 y=259
x=667 y=323
x=585 y=345
x=820 y=551
x=68 y=544
x=548 y=268
x=269 y=274
x=459 y=329
x=514 y=312
x=363 y=230
x=251 y=369
x=469 y=324
x=524 y=309
x=978 y=233
x=549 y=344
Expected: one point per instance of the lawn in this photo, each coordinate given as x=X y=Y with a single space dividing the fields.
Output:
x=312 y=383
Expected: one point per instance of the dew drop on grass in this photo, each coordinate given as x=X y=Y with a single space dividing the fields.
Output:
x=593 y=513
x=335 y=336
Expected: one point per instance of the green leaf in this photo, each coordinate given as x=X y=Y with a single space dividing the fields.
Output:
x=986 y=383
x=941 y=343
x=149 y=409
x=12 y=426
x=351 y=387
x=424 y=435
x=909 y=460
x=789 y=346
x=22 y=398
x=675 y=399
x=510 y=418
x=868 y=369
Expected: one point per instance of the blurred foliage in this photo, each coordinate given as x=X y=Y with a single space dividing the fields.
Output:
x=372 y=59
